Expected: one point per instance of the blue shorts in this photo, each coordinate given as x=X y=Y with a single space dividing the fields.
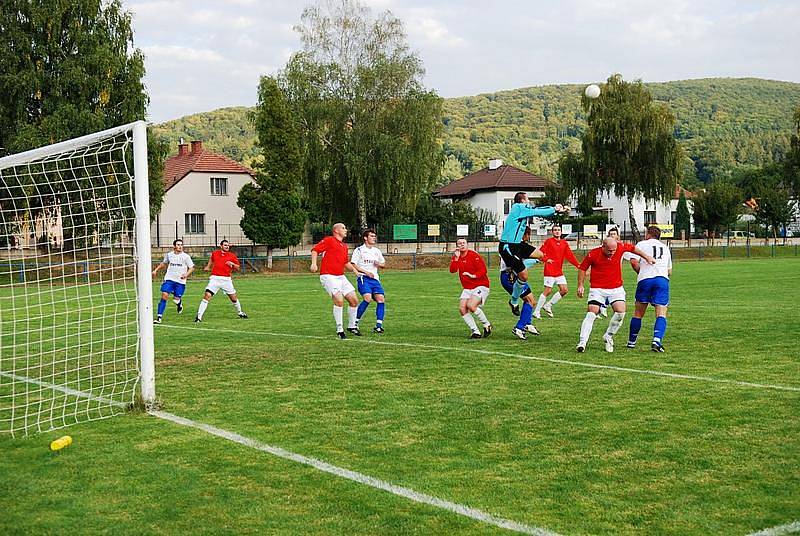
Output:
x=508 y=284
x=368 y=285
x=173 y=287
x=654 y=291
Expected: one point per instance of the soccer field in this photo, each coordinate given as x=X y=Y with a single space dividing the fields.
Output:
x=421 y=430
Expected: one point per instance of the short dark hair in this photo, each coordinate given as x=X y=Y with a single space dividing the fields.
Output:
x=224 y=242
x=654 y=231
x=366 y=232
x=175 y=242
x=518 y=197
x=555 y=225
x=613 y=229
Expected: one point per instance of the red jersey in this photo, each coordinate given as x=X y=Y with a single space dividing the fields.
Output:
x=218 y=260
x=473 y=263
x=334 y=255
x=557 y=249
x=606 y=271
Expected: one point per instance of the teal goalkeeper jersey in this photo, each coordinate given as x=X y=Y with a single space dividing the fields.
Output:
x=517 y=219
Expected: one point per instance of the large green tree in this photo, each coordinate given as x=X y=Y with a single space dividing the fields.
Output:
x=628 y=147
x=792 y=162
x=273 y=214
x=370 y=130
x=768 y=185
x=717 y=207
x=682 y=217
x=68 y=69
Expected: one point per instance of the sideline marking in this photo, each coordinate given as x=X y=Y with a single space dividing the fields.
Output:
x=507 y=354
x=791 y=528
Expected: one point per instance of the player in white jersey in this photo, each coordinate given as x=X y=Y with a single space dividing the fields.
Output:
x=634 y=260
x=652 y=288
x=367 y=259
x=179 y=267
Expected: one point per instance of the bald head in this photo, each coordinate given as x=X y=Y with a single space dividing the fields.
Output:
x=339 y=230
x=609 y=246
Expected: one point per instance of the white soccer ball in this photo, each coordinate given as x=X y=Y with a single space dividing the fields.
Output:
x=592 y=91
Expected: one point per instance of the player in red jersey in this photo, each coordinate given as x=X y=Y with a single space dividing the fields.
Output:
x=472 y=273
x=221 y=263
x=605 y=284
x=557 y=250
x=331 y=275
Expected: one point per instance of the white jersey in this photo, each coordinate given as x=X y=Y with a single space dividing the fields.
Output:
x=661 y=253
x=367 y=258
x=177 y=265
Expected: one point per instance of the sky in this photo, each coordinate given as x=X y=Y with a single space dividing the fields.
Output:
x=202 y=55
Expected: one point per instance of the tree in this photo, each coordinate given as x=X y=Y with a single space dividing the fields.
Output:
x=369 y=129
x=273 y=214
x=768 y=186
x=68 y=69
x=792 y=162
x=717 y=207
x=682 y=217
x=628 y=148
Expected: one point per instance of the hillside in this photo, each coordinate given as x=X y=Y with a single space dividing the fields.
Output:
x=722 y=123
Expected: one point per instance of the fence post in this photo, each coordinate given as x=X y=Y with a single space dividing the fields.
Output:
x=176 y=229
x=699 y=253
x=772 y=252
x=216 y=235
x=724 y=249
x=414 y=261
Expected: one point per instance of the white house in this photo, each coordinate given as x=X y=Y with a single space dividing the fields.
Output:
x=645 y=212
x=200 y=200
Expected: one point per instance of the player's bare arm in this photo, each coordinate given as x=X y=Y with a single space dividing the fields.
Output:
x=188 y=273
x=157 y=268
x=314 y=256
x=353 y=269
x=581 y=279
x=645 y=256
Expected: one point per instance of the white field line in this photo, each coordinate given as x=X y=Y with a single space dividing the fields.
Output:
x=791 y=528
x=320 y=465
x=614 y=368
x=360 y=478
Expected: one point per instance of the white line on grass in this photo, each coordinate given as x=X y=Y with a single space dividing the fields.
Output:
x=506 y=354
x=360 y=478
x=791 y=528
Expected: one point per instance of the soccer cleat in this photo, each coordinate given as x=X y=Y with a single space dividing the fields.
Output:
x=580 y=348
x=530 y=328
x=355 y=331
x=198 y=319
x=657 y=347
x=242 y=315
x=475 y=335
x=514 y=308
x=341 y=335
x=537 y=314
x=157 y=320
x=518 y=333
x=630 y=345
x=180 y=307
x=548 y=309
x=609 y=343
x=487 y=330
x=378 y=329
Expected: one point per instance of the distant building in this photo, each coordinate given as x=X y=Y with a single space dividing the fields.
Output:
x=645 y=212
x=200 y=199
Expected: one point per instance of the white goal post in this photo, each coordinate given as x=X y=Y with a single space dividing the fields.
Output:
x=76 y=316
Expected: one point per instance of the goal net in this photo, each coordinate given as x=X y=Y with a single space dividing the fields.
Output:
x=76 y=334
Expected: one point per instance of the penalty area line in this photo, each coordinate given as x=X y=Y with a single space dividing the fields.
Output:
x=791 y=528
x=673 y=375
x=357 y=477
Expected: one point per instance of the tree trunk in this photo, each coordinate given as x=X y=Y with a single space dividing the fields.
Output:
x=269 y=257
x=634 y=226
x=362 y=207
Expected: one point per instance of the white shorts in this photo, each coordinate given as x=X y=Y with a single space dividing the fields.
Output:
x=606 y=295
x=479 y=292
x=217 y=282
x=336 y=284
x=550 y=281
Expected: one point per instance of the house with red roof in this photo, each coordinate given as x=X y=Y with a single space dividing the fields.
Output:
x=201 y=189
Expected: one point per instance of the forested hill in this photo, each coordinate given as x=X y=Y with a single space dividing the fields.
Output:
x=722 y=123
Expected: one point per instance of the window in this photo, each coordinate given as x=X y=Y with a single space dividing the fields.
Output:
x=649 y=217
x=219 y=186
x=195 y=223
x=673 y=216
x=507 y=205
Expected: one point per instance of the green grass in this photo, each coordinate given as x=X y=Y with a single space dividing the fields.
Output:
x=566 y=447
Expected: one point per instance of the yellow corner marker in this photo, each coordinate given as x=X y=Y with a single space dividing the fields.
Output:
x=61 y=442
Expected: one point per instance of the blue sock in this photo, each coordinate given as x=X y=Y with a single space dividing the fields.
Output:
x=161 y=306
x=660 y=328
x=518 y=289
x=381 y=311
x=525 y=315
x=636 y=325
x=362 y=308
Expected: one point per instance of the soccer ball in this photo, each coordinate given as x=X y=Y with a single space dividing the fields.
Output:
x=592 y=91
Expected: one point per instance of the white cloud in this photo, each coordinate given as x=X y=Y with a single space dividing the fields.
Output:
x=180 y=54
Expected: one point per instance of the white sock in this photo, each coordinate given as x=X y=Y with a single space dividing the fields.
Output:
x=202 y=309
x=482 y=316
x=555 y=299
x=337 y=316
x=238 y=305
x=586 y=327
x=539 y=304
x=615 y=323
x=352 y=322
x=470 y=322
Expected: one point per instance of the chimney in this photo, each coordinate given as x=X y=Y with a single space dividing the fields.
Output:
x=183 y=149
x=495 y=163
x=197 y=147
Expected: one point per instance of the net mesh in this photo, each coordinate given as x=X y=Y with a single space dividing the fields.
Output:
x=68 y=298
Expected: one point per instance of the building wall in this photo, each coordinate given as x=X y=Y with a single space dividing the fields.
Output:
x=495 y=201
x=618 y=213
